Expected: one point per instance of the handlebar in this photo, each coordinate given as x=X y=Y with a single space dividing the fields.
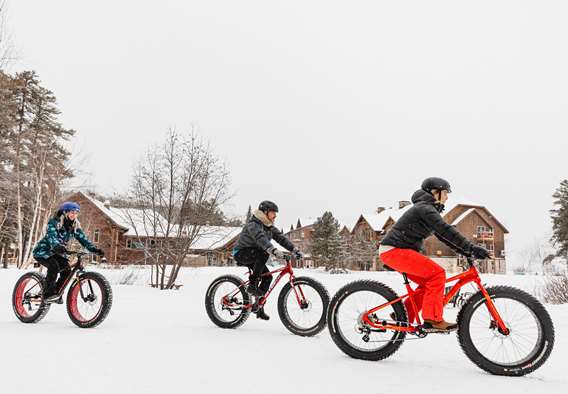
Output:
x=81 y=253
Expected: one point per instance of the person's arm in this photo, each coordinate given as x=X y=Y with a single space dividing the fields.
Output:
x=445 y=232
x=84 y=241
x=452 y=246
x=282 y=240
x=51 y=234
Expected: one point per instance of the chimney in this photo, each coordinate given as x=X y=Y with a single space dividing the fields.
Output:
x=107 y=204
x=402 y=204
x=380 y=209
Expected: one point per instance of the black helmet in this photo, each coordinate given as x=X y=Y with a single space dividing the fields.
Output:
x=267 y=206
x=434 y=183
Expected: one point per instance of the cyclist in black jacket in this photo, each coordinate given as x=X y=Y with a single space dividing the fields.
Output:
x=254 y=248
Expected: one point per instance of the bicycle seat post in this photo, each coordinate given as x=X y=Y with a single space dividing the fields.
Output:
x=406 y=282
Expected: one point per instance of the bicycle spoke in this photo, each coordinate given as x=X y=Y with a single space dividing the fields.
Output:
x=505 y=349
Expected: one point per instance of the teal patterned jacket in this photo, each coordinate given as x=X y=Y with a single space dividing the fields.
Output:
x=57 y=234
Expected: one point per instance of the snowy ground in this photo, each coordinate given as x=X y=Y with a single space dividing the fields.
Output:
x=163 y=342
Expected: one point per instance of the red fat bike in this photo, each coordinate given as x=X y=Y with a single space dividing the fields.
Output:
x=503 y=330
x=302 y=303
x=89 y=298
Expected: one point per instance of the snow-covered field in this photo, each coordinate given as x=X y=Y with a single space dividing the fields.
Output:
x=163 y=342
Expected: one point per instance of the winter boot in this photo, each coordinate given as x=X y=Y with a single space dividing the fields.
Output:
x=260 y=314
x=442 y=326
x=253 y=289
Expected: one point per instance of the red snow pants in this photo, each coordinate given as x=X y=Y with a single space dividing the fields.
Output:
x=429 y=276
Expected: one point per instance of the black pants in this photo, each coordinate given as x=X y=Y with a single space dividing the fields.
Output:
x=55 y=265
x=256 y=260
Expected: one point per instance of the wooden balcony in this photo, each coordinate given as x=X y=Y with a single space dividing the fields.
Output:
x=484 y=236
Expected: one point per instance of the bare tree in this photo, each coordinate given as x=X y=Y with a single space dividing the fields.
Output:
x=361 y=251
x=177 y=187
x=533 y=257
x=6 y=48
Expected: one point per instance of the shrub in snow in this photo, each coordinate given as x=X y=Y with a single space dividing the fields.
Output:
x=338 y=271
x=555 y=289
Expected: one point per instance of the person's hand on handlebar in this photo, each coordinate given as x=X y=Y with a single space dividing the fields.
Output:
x=276 y=253
x=298 y=254
x=479 y=252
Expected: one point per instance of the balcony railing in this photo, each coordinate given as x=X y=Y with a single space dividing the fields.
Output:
x=485 y=235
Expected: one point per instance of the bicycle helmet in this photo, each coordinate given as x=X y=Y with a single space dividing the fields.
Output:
x=267 y=206
x=434 y=183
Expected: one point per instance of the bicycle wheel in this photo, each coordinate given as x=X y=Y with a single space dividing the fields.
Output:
x=303 y=307
x=27 y=298
x=351 y=334
x=226 y=300
x=524 y=349
x=89 y=300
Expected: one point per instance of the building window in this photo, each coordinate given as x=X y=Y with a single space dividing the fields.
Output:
x=96 y=236
x=134 y=244
x=483 y=229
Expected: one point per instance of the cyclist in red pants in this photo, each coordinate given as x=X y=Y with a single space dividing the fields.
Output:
x=400 y=250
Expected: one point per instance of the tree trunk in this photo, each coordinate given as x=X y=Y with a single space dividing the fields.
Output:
x=3 y=261
x=35 y=218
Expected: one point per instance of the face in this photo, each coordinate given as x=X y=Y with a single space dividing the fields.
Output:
x=441 y=196
x=72 y=215
x=271 y=215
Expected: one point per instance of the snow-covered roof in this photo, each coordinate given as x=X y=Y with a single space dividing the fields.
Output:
x=462 y=216
x=214 y=237
x=136 y=221
x=305 y=222
x=140 y=222
x=378 y=220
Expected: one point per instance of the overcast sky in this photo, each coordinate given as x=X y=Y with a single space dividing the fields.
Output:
x=319 y=105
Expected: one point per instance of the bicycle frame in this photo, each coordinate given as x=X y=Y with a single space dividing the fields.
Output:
x=286 y=270
x=76 y=270
x=469 y=276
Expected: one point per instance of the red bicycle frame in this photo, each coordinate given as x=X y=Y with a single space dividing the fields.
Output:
x=286 y=270
x=469 y=276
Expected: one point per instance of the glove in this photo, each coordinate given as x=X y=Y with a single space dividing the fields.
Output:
x=298 y=254
x=59 y=249
x=98 y=252
x=479 y=252
x=276 y=253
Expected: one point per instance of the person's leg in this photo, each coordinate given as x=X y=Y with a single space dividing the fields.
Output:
x=255 y=259
x=418 y=299
x=52 y=269
x=259 y=259
x=265 y=280
x=64 y=272
x=426 y=273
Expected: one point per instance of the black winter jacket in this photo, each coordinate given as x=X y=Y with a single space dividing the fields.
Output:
x=422 y=220
x=256 y=234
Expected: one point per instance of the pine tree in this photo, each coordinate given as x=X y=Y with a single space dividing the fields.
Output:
x=327 y=246
x=33 y=157
x=559 y=217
